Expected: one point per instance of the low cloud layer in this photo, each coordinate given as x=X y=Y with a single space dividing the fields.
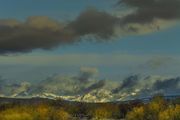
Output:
x=172 y=83
x=134 y=86
x=95 y=86
x=87 y=73
x=41 y=32
x=127 y=83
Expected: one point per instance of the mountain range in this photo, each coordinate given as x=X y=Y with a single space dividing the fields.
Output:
x=88 y=89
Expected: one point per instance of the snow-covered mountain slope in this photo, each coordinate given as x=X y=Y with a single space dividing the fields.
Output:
x=91 y=90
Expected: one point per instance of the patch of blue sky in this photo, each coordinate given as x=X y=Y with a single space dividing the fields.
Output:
x=164 y=42
x=57 y=9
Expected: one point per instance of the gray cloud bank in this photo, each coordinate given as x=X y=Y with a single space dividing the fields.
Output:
x=149 y=85
x=149 y=10
x=40 y=32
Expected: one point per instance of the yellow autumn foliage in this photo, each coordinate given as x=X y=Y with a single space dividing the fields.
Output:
x=39 y=112
x=157 y=109
x=172 y=113
x=16 y=114
x=136 y=114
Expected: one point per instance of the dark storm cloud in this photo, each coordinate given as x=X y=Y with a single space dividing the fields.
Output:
x=167 y=84
x=149 y=10
x=94 y=22
x=95 y=86
x=148 y=85
x=45 y=33
x=127 y=83
x=36 y=32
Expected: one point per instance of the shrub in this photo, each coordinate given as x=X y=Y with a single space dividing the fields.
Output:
x=61 y=114
x=136 y=114
x=149 y=111
x=101 y=113
x=172 y=113
x=16 y=114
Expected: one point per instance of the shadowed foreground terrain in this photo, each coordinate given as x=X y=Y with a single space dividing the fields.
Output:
x=158 y=108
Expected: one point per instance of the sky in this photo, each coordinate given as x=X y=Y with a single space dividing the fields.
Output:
x=40 y=38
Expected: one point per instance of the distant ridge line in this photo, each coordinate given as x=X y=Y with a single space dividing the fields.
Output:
x=39 y=99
